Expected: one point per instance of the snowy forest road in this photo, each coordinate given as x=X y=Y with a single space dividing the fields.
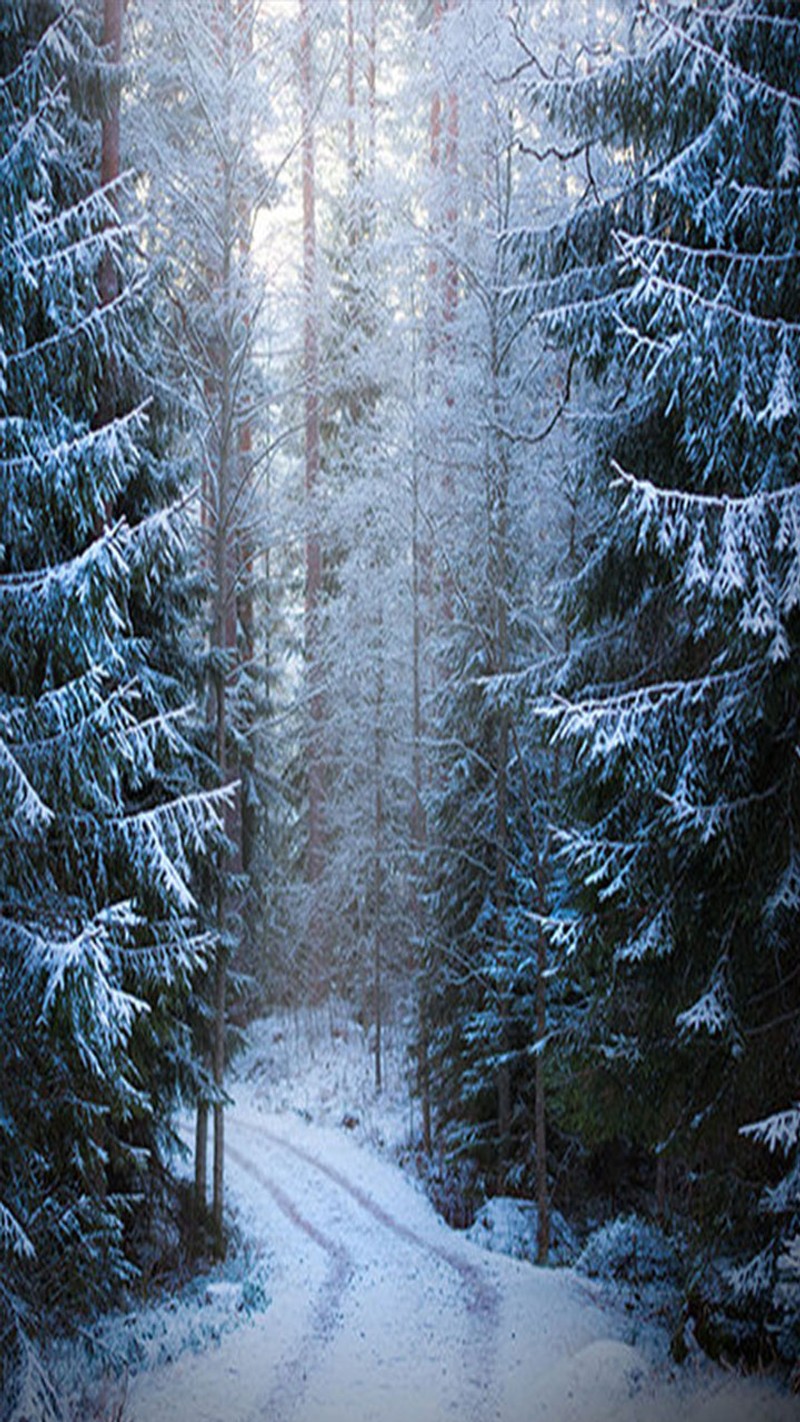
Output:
x=380 y=1313
x=379 y=1272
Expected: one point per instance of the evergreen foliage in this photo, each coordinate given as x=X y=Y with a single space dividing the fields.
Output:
x=196 y=95
x=679 y=290
x=641 y=275
x=494 y=510
x=102 y=823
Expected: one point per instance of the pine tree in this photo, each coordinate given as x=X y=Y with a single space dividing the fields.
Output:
x=102 y=824
x=679 y=290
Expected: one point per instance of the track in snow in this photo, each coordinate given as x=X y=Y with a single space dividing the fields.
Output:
x=379 y=1313
x=292 y=1370
x=482 y=1296
x=381 y=1307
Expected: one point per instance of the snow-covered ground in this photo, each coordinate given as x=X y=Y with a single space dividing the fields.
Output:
x=377 y=1311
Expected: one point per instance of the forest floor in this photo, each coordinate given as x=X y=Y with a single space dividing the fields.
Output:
x=374 y=1310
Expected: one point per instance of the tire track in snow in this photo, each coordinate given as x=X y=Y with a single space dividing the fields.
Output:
x=292 y=1374
x=482 y=1296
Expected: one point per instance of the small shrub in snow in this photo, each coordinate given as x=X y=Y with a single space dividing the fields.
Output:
x=646 y=1269
x=630 y=1249
x=120 y=1345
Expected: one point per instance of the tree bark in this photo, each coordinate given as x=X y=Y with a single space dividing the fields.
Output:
x=218 y=1190
x=542 y=1187
x=352 y=152
x=313 y=552
x=418 y=833
x=540 y=1117
x=378 y=884
x=231 y=553
x=498 y=559
x=200 y=1198
x=108 y=279
x=110 y=146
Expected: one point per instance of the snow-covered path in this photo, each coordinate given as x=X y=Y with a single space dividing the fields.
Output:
x=380 y=1313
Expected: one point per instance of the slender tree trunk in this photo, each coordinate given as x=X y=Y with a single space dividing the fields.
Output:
x=451 y=214
x=418 y=834
x=200 y=1165
x=498 y=561
x=352 y=152
x=379 y=640
x=242 y=575
x=108 y=289
x=501 y=897
x=435 y=142
x=417 y=827
x=429 y=610
x=224 y=642
x=372 y=110
x=313 y=548
x=220 y=638
x=591 y=33
x=218 y=1189
x=540 y=1115
x=542 y=1187
x=108 y=281
x=498 y=475
x=444 y=143
x=443 y=283
x=230 y=557
x=110 y=147
x=378 y=905
x=661 y=1188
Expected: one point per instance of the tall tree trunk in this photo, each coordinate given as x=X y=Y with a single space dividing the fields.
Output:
x=108 y=287
x=108 y=281
x=371 y=211
x=372 y=110
x=443 y=280
x=501 y=898
x=540 y=1116
x=498 y=474
x=418 y=833
x=220 y=642
x=352 y=152
x=200 y=1170
x=218 y=1186
x=542 y=1187
x=378 y=879
x=231 y=558
x=313 y=588
x=249 y=827
x=110 y=146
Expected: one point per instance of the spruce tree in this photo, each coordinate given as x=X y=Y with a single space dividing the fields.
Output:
x=677 y=284
x=492 y=502
x=102 y=823
x=196 y=99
